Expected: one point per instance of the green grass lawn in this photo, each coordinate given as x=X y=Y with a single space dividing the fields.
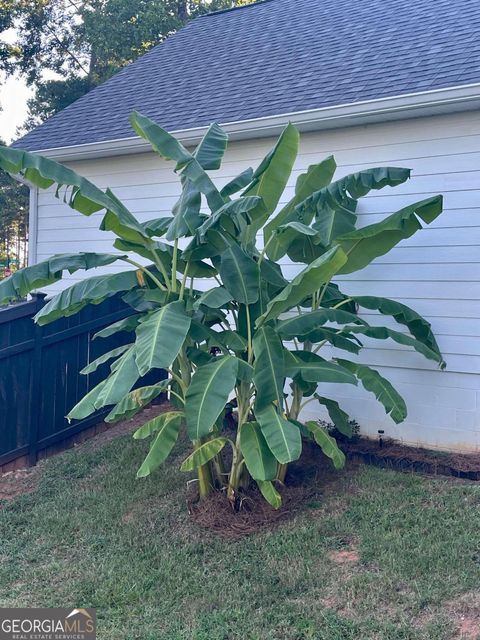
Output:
x=93 y=535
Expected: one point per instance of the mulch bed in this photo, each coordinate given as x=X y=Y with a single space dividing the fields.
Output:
x=307 y=481
x=312 y=477
x=400 y=457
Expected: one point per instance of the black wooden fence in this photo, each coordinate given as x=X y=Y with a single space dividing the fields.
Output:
x=39 y=373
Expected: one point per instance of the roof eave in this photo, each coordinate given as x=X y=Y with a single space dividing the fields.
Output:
x=425 y=103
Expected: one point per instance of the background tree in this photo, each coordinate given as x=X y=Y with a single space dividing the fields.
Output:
x=82 y=42
x=85 y=42
x=13 y=222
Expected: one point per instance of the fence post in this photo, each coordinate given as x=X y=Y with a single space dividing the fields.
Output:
x=35 y=396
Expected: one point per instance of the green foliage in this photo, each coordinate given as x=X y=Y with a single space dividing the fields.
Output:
x=203 y=454
x=259 y=459
x=86 y=42
x=13 y=218
x=152 y=350
x=166 y=427
x=327 y=444
x=208 y=394
x=252 y=333
x=133 y=402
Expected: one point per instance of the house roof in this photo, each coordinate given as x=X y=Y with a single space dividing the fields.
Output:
x=275 y=57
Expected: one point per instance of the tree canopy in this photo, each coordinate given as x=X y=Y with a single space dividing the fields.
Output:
x=84 y=42
x=81 y=43
x=13 y=221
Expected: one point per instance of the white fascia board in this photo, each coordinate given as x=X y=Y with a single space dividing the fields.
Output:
x=413 y=105
x=33 y=226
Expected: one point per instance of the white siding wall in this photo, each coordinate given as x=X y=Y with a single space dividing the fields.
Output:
x=436 y=272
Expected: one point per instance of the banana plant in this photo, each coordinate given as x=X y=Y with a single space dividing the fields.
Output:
x=219 y=315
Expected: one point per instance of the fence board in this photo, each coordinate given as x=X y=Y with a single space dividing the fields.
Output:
x=40 y=378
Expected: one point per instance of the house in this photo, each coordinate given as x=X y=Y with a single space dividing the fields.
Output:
x=372 y=82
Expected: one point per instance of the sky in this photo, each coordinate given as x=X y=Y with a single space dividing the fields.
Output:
x=13 y=98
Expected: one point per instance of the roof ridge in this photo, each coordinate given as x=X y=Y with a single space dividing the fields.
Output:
x=241 y=6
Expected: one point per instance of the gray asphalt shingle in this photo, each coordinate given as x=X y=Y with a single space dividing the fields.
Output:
x=275 y=57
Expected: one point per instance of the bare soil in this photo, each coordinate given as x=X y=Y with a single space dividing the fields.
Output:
x=465 y=611
x=15 y=483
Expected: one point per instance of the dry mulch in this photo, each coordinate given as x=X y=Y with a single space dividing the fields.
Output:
x=403 y=458
x=307 y=481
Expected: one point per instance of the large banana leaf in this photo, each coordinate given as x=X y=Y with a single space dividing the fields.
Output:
x=302 y=325
x=203 y=454
x=124 y=374
x=213 y=298
x=333 y=297
x=164 y=252
x=271 y=177
x=269 y=368
x=171 y=149
x=271 y=273
x=207 y=395
x=334 y=206
x=245 y=371
x=93 y=366
x=122 y=378
x=211 y=148
x=313 y=368
x=305 y=283
x=122 y=223
x=160 y=337
x=239 y=273
x=327 y=444
x=134 y=401
x=238 y=183
x=260 y=461
x=283 y=437
x=22 y=282
x=316 y=177
x=337 y=338
x=89 y=291
x=216 y=242
x=231 y=216
x=418 y=326
x=127 y=324
x=146 y=299
x=86 y=406
x=186 y=212
x=232 y=340
x=383 y=390
x=270 y=494
x=153 y=425
x=305 y=248
x=364 y=245
x=382 y=333
x=157 y=227
x=167 y=427
x=339 y=418
x=209 y=154
x=83 y=195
